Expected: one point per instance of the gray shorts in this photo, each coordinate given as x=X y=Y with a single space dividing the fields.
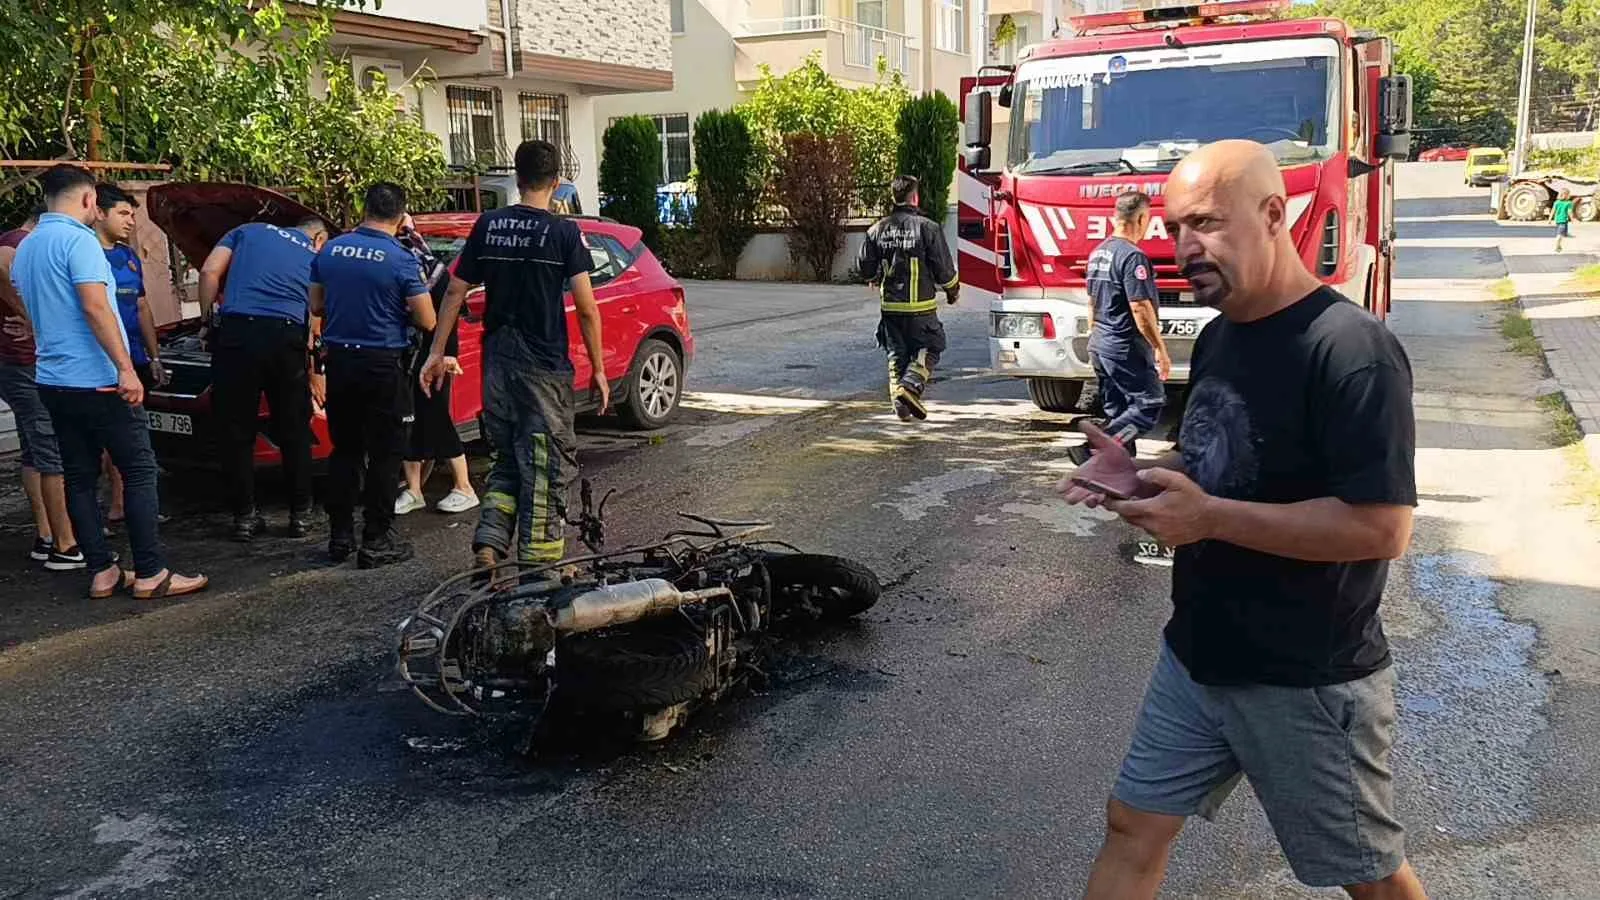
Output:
x=1318 y=759
x=34 y=430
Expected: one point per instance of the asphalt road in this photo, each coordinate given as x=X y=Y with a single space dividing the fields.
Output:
x=957 y=742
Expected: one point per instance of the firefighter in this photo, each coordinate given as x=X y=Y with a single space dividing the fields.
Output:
x=368 y=289
x=906 y=256
x=1130 y=359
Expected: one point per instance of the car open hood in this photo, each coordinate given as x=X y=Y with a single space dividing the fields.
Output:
x=195 y=215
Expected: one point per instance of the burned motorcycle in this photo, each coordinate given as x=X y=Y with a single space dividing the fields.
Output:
x=643 y=635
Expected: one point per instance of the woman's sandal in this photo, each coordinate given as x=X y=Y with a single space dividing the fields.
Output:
x=124 y=583
x=164 y=589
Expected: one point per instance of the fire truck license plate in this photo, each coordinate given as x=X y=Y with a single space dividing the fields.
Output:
x=171 y=423
x=1179 y=327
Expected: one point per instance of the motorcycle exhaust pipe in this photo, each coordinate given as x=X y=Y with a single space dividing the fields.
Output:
x=620 y=604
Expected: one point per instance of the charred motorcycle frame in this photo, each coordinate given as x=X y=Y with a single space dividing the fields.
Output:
x=646 y=633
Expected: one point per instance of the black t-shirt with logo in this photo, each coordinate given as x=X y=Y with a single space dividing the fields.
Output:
x=1312 y=401
x=524 y=257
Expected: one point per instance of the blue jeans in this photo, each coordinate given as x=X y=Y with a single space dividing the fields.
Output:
x=89 y=423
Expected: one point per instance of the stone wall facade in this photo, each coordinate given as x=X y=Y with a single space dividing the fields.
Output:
x=632 y=33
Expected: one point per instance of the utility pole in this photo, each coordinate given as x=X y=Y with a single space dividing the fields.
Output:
x=1519 y=157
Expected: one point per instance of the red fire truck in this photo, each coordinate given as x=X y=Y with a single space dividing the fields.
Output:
x=1114 y=107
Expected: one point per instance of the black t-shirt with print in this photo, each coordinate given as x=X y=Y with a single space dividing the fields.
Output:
x=1312 y=401
x=524 y=257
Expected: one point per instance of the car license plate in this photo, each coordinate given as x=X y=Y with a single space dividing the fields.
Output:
x=1152 y=553
x=170 y=423
x=1180 y=327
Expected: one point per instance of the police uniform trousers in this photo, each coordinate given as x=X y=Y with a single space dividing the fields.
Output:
x=528 y=423
x=369 y=412
x=251 y=356
x=913 y=342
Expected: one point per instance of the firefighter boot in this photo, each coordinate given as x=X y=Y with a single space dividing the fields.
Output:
x=912 y=384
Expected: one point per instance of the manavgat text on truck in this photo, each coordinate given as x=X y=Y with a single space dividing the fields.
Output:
x=1114 y=108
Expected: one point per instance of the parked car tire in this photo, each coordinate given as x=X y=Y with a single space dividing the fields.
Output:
x=838 y=588
x=640 y=668
x=1055 y=394
x=655 y=386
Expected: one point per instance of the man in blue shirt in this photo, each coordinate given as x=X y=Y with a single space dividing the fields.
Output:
x=87 y=381
x=115 y=229
x=1125 y=346
x=368 y=289
x=262 y=346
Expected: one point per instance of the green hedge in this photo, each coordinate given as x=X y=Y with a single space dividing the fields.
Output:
x=630 y=170
x=929 y=127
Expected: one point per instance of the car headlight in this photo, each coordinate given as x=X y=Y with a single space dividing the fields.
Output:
x=1022 y=325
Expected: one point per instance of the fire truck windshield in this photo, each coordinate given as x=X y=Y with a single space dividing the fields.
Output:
x=1142 y=111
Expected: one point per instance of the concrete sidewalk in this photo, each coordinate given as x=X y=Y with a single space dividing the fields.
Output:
x=1565 y=314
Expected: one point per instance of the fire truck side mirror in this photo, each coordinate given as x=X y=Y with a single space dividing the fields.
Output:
x=1394 y=117
x=980 y=119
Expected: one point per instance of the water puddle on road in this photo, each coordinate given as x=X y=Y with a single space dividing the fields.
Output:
x=1470 y=699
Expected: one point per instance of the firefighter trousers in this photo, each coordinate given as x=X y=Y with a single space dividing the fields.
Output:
x=1131 y=393
x=528 y=424
x=913 y=342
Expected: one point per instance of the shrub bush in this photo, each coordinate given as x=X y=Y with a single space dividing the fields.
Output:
x=630 y=169
x=814 y=187
x=1583 y=162
x=929 y=127
x=727 y=192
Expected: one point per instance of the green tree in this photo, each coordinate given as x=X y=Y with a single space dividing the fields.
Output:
x=928 y=128
x=726 y=191
x=84 y=78
x=806 y=100
x=630 y=170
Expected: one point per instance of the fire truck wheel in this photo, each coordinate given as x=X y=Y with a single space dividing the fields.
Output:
x=1527 y=202
x=646 y=667
x=839 y=587
x=1055 y=394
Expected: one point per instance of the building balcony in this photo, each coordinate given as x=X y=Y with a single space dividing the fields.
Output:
x=1016 y=8
x=848 y=51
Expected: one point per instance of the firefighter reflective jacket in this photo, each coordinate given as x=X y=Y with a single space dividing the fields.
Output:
x=905 y=254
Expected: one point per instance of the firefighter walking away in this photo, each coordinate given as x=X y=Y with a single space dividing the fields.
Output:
x=905 y=255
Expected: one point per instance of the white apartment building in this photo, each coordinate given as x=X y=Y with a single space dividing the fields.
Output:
x=718 y=46
x=503 y=71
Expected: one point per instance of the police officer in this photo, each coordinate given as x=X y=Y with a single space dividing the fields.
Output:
x=905 y=254
x=262 y=345
x=368 y=288
x=1130 y=359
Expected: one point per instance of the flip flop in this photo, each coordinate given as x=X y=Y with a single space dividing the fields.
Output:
x=125 y=583
x=164 y=589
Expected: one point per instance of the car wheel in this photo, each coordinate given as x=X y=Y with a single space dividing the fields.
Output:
x=654 y=388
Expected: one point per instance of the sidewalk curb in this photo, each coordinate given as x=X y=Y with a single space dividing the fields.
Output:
x=1590 y=440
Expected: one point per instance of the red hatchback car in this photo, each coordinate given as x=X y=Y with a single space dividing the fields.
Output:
x=1445 y=153
x=647 y=341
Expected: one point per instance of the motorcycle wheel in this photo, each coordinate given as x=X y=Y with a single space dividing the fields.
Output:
x=641 y=668
x=841 y=588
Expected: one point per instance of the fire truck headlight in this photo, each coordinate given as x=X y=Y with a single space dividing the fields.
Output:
x=1021 y=325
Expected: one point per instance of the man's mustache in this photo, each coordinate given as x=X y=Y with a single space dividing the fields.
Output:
x=1200 y=267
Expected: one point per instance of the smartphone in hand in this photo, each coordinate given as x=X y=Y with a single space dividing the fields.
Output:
x=1100 y=488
